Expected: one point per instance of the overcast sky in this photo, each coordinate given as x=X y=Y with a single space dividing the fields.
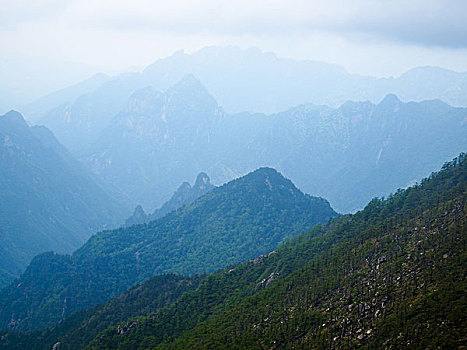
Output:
x=374 y=37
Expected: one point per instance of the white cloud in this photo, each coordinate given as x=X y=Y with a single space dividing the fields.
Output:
x=361 y=34
x=428 y=22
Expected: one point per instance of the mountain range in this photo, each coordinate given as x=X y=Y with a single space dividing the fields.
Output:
x=389 y=276
x=249 y=260
x=145 y=133
x=240 y=220
x=240 y=80
x=50 y=201
x=346 y=155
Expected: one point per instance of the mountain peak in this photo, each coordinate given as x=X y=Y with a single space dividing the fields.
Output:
x=14 y=117
x=189 y=81
x=139 y=210
x=184 y=195
x=185 y=186
x=202 y=180
x=389 y=104
x=390 y=99
x=190 y=98
x=270 y=179
x=267 y=171
x=139 y=216
x=189 y=85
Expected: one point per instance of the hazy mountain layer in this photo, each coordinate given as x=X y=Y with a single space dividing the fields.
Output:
x=237 y=221
x=25 y=79
x=79 y=122
x=348 y=155
x=62 y=98
x=241 y=80
x=49 y=201
x=158 y=141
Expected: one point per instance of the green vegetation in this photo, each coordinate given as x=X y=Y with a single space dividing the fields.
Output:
x=80 y=328
x=390 y=276
x=232 y=223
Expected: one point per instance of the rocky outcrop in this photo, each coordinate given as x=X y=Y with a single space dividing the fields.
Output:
x=184 y=195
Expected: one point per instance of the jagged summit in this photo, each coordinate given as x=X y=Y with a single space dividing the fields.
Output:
x=236 y=222
x=139 y=216
x=185 y=186
x=202 y=180
x=184 y=195
x=191 y=92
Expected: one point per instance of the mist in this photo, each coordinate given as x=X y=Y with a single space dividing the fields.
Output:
x=233 y=175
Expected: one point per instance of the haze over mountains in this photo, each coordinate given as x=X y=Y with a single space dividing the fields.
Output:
x=346 y=154
x=256 y=81
x=148 y=132
x=50 y=201
x=26 y=79
x=227 y=261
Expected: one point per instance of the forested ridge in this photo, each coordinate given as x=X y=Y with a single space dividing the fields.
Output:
x=237 y=221
x=390 y=276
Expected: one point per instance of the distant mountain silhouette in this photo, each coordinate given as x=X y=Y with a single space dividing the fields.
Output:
x=240 y=80
x=347 y=155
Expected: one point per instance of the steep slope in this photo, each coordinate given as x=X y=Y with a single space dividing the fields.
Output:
x=237 y=221
x=324 y=289
x=391 y=276
x=49 y=200
x=184 y=195
x=79 y=329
